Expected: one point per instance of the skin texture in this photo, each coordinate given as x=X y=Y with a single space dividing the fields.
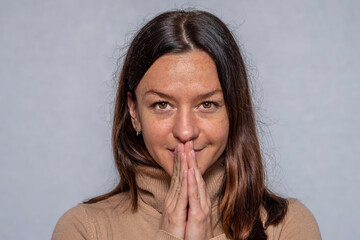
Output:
x=181 y=112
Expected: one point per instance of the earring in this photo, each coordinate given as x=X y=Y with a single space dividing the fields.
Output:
x=134 y=122
x=137 y=132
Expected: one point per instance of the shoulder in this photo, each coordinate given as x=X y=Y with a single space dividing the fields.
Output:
x=81 y=221
x=73 y=225
x=299 y=212
x=299 y=223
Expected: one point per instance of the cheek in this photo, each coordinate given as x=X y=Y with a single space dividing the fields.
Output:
x=224 y=133
x=156 y=134
x=152 y=131
x=155 y=131
x=217 y=131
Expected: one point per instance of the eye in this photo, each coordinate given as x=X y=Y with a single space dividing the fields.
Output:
x=208 y=105
x=161 y=105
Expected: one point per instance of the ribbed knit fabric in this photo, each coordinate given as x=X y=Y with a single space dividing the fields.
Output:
x=113 y=218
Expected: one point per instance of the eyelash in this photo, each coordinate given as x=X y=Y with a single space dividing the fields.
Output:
x=157 y=104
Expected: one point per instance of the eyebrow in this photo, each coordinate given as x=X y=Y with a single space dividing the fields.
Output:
x=164 y=95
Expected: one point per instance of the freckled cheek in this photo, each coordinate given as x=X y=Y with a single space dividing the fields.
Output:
x=156 y=130
x=216 y=134
x=156 y=134
x=217 y=131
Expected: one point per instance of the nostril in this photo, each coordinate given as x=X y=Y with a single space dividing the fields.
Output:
x=185 y=128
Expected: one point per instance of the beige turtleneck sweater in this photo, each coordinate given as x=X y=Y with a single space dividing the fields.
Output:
x=113 y=219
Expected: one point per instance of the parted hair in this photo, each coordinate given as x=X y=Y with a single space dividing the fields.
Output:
x=243 y=193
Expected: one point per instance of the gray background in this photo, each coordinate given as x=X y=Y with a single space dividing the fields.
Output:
x=57 y=59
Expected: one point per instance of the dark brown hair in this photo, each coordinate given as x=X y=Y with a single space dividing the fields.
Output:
x=244 y=192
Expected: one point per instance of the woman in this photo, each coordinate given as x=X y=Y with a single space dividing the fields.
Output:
x=185 y=145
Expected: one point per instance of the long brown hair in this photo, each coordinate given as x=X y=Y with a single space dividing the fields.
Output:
x=244 y=192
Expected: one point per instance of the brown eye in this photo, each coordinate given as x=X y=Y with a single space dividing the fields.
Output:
x=162 y=105
x=207 y=104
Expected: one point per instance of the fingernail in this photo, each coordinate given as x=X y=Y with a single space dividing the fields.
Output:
x=192 y=153
x=184 y=173
x=191 y=144
x=180 y=147
x=192 y=171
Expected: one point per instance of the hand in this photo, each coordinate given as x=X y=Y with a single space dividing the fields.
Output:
x=198 y=225
x=176 y=201
x=187 y=188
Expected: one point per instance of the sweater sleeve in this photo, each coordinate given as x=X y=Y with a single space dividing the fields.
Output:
x=74 y=224
x=299 y=223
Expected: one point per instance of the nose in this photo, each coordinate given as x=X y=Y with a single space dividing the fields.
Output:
x=185 y=127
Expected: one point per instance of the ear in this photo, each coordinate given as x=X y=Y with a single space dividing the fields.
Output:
x=133 y=111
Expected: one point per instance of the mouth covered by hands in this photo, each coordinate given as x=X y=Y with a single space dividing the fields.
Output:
x=187 y=210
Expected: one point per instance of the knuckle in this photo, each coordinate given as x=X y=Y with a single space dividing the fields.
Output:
x=200 y=217
x=206 y=211
x=174 y=218
x=174 y=178
x=182 y=195
x=195 y=195
x=166 y=213
x=171 y=218
x=197 y=215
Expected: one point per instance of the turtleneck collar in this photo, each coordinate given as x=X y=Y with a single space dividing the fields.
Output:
x=154 y=183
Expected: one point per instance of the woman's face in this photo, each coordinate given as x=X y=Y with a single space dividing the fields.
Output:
x=180 y=99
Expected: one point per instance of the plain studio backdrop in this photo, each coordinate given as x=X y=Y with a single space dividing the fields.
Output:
x=57 y=61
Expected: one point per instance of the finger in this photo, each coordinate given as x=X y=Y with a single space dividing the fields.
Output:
x=190 y=155
x=179 y=157
x=199 y=179
x=182 y=200
x=182 y=163
x=192 y=151
x=208 y=200
x=175 y=167
x=175 y=176
x=194 y=198
x=201 y=189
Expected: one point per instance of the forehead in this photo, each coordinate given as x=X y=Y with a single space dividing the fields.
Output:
x=189 y=72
